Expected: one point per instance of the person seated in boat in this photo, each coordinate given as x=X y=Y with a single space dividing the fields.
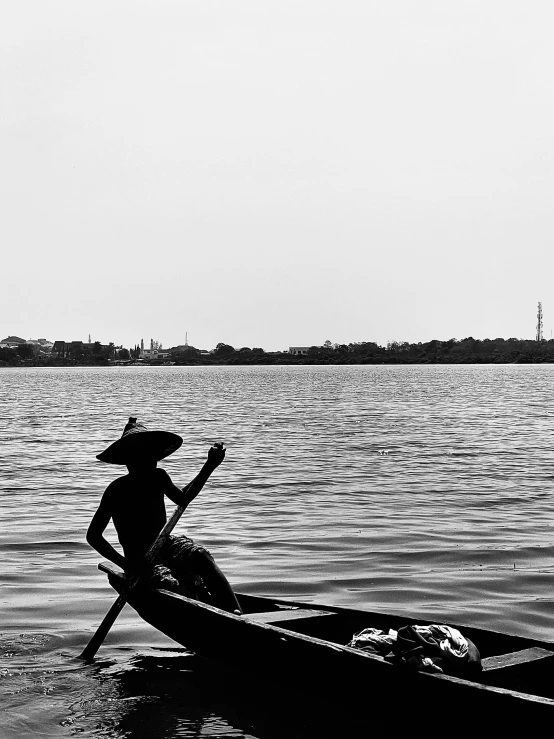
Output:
x=135 y=503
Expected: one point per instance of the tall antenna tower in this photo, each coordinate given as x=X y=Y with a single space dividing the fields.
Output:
x=539 y=323
x=186 y=339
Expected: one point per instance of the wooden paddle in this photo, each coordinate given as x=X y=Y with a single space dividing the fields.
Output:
x=192 y=489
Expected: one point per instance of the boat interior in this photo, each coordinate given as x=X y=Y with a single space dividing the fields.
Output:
x=511 y=662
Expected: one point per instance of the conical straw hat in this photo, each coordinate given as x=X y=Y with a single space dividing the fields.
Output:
x=136 y=441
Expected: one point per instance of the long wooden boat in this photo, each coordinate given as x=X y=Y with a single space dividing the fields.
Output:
x=298 y=645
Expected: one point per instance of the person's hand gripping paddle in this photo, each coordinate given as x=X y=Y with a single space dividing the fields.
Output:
x=215 y=456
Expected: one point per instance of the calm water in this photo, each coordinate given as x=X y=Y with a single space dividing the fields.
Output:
x=424 y=490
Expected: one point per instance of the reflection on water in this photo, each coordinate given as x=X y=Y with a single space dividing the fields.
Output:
x=158 y=693
x=420 y=490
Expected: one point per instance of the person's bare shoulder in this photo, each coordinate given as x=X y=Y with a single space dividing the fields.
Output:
x=115 y=491
x=166 y=486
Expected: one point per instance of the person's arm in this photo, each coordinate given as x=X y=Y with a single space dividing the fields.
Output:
x=96 y=530
x=184 y=497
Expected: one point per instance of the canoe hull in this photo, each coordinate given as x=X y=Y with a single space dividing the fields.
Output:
x=308 y=655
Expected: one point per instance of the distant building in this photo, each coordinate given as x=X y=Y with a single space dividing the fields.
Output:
x=12 y=342
x=40 y=345
x=298 y=349
x=153 y=354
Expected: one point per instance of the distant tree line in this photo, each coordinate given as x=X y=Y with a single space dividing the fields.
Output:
x=453 y=351
x=225 y=354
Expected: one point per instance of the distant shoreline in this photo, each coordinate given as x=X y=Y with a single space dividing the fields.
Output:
x=313 y=363
x=453 y=351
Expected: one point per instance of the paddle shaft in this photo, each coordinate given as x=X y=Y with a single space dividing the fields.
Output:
x=110 y=617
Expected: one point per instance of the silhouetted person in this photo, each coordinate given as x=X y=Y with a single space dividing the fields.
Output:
x=136 y=504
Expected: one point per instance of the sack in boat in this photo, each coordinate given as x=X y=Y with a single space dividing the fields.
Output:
x=435 y=648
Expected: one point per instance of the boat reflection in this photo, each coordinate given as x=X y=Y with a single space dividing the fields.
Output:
x=171 y=694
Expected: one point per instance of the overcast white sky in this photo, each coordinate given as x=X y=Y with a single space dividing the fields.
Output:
x=275 y=173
